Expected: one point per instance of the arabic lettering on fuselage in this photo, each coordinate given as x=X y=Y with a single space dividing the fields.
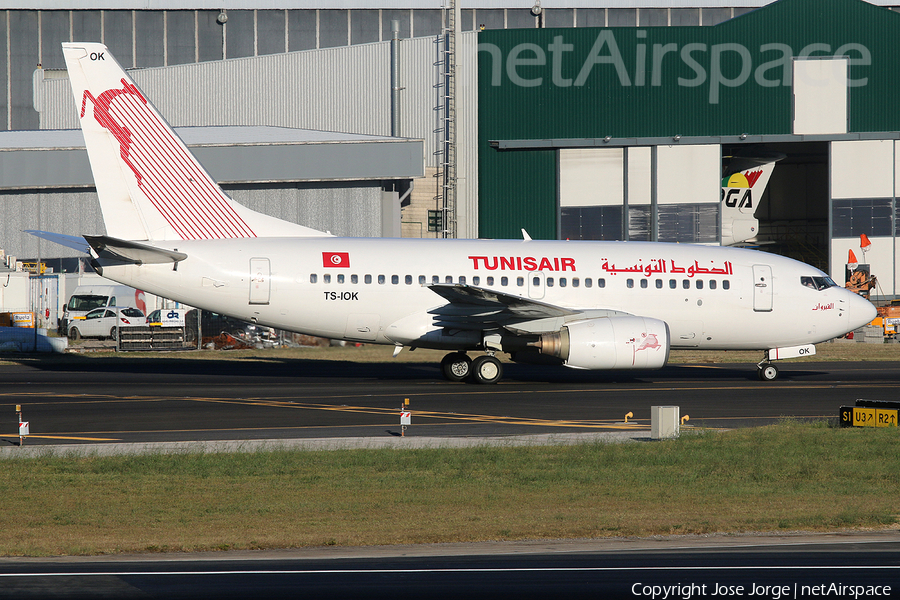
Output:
x=661 y=266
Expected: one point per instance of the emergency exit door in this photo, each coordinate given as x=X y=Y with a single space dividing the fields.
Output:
x=259 y=281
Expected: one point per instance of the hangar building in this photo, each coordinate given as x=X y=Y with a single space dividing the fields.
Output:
x=598 y=123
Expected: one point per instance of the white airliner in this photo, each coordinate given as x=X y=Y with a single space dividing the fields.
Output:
x=172 y=231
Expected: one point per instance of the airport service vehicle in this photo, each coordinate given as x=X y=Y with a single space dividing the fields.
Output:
x=105 y=322
x=86 y=298
x=172 y=231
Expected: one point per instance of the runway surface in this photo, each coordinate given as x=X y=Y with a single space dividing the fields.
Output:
x=177 y=399
x=776 y=567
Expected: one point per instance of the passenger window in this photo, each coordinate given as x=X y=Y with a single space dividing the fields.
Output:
x=644 y=284
x=368 y=279
x=699 y=284
x=448 y=279
x=326 y=278
x=712 y=284
x=520 y=281
x=659 y=284
x=504 y=281
x=422 y=280
x=354 y=279
x=340 y=279
x=726 y=285
x=601 y=283
x=575 y=282
x=381 y=279
x=588 y=282
x=313 y=278
x=535 y=281
x=673 y=284
x=435 y=279
x=462 y=280
x=562 y=282
x=490 y=281
x=629 y=283
x=408 y=280
x=686 y=284
x=395 y=279
x=549 y=282
x=476 y=280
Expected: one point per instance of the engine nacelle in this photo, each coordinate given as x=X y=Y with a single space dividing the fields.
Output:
x=610 y=343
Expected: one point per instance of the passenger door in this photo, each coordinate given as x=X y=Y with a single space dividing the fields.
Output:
x=762 y=288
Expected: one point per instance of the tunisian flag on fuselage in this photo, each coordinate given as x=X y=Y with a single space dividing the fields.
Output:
x=336 y=259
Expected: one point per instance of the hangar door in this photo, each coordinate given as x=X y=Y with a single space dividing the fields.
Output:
x=863 y=191
x=665 y=193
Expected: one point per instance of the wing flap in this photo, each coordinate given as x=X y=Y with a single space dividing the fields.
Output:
x=132 y=252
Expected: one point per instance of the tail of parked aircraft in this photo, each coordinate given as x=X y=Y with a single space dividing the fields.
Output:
x=743 y=183
x=150 y=185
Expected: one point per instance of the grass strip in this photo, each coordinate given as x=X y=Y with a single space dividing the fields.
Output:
x=784 y=477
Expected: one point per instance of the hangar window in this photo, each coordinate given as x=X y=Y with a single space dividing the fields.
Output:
x=313 y=278
x=871 y=216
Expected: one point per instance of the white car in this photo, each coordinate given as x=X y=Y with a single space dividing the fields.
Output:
x=103 y=322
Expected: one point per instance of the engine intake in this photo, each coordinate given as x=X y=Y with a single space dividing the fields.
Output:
x=609 y=343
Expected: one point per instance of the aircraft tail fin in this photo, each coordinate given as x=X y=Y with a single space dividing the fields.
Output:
x=150 y=185
x=743 y=184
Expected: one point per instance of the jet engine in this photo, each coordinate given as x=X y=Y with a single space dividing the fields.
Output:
x=609 y=343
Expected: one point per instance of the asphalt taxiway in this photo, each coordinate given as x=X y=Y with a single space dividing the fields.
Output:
x=184 y=400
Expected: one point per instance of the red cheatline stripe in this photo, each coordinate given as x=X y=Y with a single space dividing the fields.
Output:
x=195 y=212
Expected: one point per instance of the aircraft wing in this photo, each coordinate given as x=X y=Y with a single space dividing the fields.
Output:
x=132 y=252
x=475 y=300
x=69 y=241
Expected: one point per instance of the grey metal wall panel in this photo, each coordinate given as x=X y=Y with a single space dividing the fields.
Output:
x=117 y=35
x=85 y=26
x=23 y=57
x=622 y=17
x=4 y=104
x=301 y=30
x=559 y=17
x=654 y=17
x=591 y=17
x=489 y=18
x=391 y=15
x=149 y=29
x=270 y=31
x=54 y=26
x=364 y=27
x=239 y=34
x=180 y=42
x=426 y=22
x=332 y=28
x=210 y=35
x=68 y=212
x=522 y=18
x=685 y=16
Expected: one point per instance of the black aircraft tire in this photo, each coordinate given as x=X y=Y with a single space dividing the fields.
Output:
x=486 y=369
x=456 y=366
x=768 y=373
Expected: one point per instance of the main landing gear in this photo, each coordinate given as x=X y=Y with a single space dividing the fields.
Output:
x=456 y=366
x=767 y=371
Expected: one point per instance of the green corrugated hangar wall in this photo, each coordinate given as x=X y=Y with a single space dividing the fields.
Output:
x=724 y=80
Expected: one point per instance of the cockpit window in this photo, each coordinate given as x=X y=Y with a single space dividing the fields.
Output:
x=818 y=283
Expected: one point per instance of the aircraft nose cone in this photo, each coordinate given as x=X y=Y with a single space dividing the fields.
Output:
x=860 y=311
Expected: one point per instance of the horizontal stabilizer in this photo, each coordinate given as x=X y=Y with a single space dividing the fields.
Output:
x=132 y=252
x=69 y=241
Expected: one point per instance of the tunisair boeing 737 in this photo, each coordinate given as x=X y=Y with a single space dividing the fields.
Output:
x=172 y=231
